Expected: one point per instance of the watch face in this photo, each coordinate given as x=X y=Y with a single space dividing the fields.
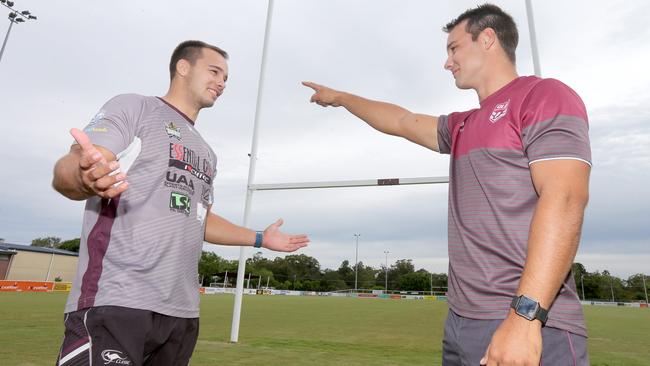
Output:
x=527 y=308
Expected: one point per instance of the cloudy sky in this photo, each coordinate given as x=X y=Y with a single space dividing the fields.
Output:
x=58 y=71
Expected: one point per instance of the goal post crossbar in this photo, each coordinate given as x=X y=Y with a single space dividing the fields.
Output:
x=349 y=183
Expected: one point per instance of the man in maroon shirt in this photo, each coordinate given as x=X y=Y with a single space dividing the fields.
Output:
x=519 y=174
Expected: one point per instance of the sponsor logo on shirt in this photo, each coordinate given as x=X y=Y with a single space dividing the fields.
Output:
x=115 y=357
x=179 y=181
x=180 y=203
x=187 y=159
x=500 y=111
x=173 y=131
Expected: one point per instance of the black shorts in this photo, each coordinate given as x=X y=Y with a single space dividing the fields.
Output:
x=118 y=336
x=466 y=341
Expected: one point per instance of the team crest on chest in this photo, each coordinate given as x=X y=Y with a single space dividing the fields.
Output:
x=500 y=110
x=173 y=131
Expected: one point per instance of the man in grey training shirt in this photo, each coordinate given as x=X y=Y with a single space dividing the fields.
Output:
x=519 y=174
x=147 y=177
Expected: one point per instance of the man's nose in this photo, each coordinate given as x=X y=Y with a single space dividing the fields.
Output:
x=448 y=63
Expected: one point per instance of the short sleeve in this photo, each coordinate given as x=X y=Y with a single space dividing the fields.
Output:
x=448 y=127
x=115 y=125
x=214 y=175
x=554 y=124
x=444 y=135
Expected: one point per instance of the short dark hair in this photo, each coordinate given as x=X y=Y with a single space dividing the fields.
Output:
x=490 y=16
x=190 y=51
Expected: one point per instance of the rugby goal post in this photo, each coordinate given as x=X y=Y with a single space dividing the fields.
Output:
x=234 y=334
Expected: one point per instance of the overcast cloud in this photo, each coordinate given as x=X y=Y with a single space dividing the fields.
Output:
x=57 y=72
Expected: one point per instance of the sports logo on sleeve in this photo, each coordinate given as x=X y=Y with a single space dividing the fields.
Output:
x=500 y=110
x=91 y=125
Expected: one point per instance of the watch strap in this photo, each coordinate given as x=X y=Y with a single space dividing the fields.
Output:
x=541 y=314
x=259 y=238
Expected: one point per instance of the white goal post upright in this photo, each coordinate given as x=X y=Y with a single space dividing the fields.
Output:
x=234 y=333
x=533 y=38
x=239 y=292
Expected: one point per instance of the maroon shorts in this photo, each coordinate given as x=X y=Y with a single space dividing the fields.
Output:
x=466 y=341
x=119 y=336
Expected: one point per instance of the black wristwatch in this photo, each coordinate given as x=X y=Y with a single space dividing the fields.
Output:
x=529 y=308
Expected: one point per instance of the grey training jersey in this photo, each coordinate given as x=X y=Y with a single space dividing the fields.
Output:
x=492 y=197
x=141 y=249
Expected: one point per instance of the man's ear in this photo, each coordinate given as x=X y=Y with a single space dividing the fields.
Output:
x=183 y=67
x=488 y=38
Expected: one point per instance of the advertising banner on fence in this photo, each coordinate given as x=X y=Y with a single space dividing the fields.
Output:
x=27 y=286
x=62 y=286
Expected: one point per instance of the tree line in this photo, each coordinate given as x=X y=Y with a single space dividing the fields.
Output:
x=603 y=286
x=71 y=245
x=303 y=273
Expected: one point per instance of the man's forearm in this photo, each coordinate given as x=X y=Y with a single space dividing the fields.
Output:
x=384 y=117
x=66 y=180
x=393 y=120
x=221 y=231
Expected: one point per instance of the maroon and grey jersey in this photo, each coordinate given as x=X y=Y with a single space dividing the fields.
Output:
x=492 y=197
x=141 y=249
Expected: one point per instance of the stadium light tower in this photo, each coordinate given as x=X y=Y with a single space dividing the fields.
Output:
x=16 y=17
x=356 y=262
x=386 y=276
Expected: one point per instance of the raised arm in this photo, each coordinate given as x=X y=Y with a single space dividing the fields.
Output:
x=384 y=117
x=87 y=170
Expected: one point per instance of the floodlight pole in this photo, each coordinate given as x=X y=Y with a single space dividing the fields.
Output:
x=4 y=44
x=15 y=16
x=386 y=276
x=645 y=289
x=49 y=267
x=356 y=262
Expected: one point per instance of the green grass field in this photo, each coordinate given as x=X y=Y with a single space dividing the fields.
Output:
x=282 y=330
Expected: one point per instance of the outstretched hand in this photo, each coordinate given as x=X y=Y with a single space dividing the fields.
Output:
x=323 y=96
x=97 y=175
x=276 y=240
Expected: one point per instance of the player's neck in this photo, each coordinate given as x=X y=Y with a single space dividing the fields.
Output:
x=496 y=79
x=183 y=103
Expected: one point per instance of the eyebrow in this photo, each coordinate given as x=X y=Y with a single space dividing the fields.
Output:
x=220 y=69
x=216 y=67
